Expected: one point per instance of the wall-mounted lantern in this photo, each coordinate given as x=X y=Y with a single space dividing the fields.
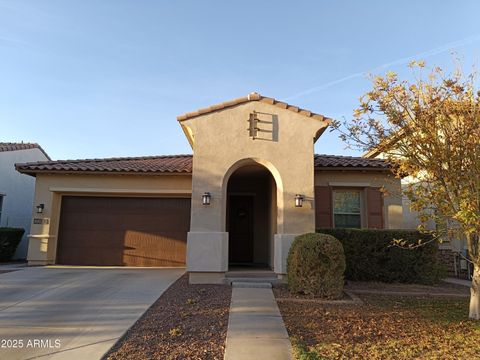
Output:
x=299 y=200
x=40 y=208
x=206 y=198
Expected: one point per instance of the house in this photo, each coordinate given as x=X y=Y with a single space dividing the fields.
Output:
x=16 y=190
x=252 y=184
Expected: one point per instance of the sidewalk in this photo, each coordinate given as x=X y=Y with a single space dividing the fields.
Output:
x=255 y=326
x=458 y=281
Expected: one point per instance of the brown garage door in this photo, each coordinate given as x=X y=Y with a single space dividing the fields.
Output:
x=123 y=231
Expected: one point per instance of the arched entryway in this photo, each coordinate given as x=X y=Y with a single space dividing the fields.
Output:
x=251 y=217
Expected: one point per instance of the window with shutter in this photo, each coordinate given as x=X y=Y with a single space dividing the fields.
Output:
x=347 y=209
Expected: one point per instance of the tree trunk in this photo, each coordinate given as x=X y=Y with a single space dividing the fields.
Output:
x=475 y=294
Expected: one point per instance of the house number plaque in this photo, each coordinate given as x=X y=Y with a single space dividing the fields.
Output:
x=38 y=221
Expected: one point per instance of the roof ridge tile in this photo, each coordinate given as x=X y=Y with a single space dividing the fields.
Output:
x=254 y=96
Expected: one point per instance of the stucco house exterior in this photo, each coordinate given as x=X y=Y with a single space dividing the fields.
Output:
x=16 y=190
x=252 y=184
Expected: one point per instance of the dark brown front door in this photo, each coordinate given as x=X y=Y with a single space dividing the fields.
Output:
x=240 y=229
x=123 y=231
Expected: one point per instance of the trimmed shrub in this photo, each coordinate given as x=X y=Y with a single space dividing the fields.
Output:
x=9 y=240
x=315 y=266
x=370 y=256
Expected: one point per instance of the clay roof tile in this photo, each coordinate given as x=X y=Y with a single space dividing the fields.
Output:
x=250 y=97
x=175 y=164
x=9 y=146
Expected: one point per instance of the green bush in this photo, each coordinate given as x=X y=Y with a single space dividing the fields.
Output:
x=370 y=256
x=315 y=265
x=9 y=240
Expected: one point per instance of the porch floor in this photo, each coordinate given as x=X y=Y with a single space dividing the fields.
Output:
x=249 y=272
x=251 y=275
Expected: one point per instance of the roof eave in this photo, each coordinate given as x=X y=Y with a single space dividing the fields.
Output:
x=188 y=135
x=251 y=97
x=320 y=132
x=76 y=172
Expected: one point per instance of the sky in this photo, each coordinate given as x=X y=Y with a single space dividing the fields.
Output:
x=93 y=79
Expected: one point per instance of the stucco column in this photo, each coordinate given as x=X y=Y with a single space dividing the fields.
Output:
x=207 y=243
x=38 y=250
x=42 y=241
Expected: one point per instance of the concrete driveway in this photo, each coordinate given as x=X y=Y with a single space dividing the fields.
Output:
x=74 y=312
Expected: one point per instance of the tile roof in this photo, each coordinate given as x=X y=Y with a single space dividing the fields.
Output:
x=8 y=146
x=336 y=161
x=175 y=164
x=145 y=164
x=251 y=97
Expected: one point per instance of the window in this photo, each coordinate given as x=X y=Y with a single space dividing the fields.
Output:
x=347 y=209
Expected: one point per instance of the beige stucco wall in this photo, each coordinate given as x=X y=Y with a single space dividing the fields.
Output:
x=222 y=142
x=360 y=179
x=221 y=145
x=49 y=189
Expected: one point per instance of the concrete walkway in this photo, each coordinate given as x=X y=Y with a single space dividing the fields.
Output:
x=255 y=326
x=458 y=281
x=67 y=313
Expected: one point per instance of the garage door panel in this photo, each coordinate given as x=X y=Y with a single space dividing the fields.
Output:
x=123 y=231
x=112 y=257
x=132 y=221
x=93 y=238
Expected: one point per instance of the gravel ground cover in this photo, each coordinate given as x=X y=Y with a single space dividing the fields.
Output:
x=440 y=288
x=385 y=326
x=186 y=322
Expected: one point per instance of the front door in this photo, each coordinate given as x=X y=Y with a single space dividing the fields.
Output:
x=240 y=229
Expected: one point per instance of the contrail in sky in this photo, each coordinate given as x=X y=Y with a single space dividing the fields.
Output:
x=438 y=50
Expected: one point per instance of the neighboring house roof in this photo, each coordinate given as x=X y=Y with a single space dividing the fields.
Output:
x=173 y=164
x=387 y=143
x=251 y=97
x=21 y=146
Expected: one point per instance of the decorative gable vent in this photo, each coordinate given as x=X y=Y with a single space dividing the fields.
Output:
x=263 y=126
x=253 y=125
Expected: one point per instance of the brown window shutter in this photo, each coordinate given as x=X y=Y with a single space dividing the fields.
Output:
x=323 y=207
x=374 y=208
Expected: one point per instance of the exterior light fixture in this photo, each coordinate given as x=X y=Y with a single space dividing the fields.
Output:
x=40 y=208
x=299 y=200
x=206 y=198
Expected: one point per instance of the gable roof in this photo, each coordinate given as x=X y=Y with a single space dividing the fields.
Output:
x=172 y=164
x=9 y=146
x=254 y=96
